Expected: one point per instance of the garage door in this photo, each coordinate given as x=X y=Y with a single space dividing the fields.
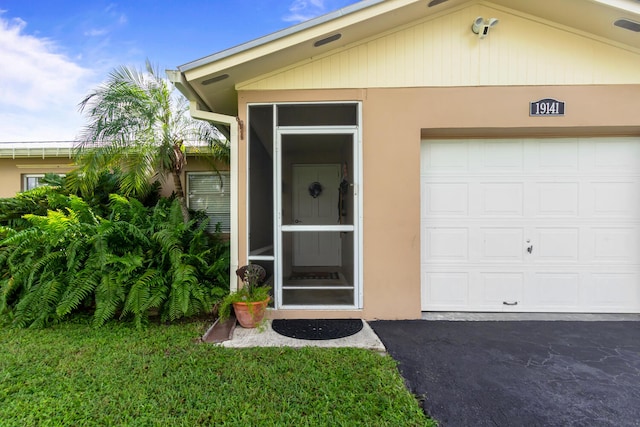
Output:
x=547 y=225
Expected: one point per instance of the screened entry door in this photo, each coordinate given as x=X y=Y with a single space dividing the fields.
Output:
x=316 y=248
x=316 y=217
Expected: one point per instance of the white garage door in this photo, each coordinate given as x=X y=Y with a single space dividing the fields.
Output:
x=549 y=225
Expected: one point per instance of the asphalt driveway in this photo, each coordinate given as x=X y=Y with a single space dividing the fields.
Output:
x=520 y=373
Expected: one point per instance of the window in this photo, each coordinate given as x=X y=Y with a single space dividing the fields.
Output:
x=210 y=192
x=33 y=180
x=331 y=114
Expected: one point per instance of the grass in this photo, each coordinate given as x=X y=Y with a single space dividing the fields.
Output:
x=72 y=374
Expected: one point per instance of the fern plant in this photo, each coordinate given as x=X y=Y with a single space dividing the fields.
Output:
x=40 y=262
x=125 y=265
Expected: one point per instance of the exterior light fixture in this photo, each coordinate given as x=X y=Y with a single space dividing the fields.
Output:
x=482 y=26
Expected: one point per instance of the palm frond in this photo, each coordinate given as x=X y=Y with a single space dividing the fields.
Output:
x=135 y=121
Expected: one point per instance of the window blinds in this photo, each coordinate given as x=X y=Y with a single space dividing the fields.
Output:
x=211 y=193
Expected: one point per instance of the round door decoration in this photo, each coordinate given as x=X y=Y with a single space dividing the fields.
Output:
x=315 y=189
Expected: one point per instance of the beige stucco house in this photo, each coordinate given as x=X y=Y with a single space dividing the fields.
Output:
x=403 y=156
x=23 y=164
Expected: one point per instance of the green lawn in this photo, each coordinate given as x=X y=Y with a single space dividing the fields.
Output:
x=71 y=374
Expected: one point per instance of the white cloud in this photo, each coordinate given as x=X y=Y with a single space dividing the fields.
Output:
x=39 y=87
x=95 y=32
x=303 y=10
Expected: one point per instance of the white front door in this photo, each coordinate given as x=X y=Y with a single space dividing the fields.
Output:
x=549 y=225
x=315 y=248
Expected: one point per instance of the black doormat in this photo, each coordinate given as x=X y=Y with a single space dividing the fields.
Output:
x=315 y=275
x=317 y=329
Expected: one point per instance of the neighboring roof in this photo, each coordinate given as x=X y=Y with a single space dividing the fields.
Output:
x=49 y=149
x=212 y=80
x=42 y=149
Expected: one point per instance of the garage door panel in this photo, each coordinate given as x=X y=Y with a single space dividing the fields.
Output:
x=553 y=245
x=557 y=156
x=502 y=244
x=447 y=244
x=553 y=290
x=447 y=199
x=450 y=289
x=575 y=204
x=615 y=156
x=615 y=244
x=446 y=156
x=501 y=156
x=607 y=292
x=502 y=290
x=615 y=199
x=501 y=198
x=556 y=199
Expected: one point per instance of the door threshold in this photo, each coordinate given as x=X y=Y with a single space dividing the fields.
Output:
x=570 y=317
x=311 y=307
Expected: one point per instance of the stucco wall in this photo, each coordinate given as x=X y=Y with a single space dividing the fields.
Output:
x=11 y=171
x=394 y=123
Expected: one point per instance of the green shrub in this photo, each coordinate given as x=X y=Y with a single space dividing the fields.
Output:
x=55 y=195
x=128 y=263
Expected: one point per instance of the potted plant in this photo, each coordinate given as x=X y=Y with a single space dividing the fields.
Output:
x=250 y=301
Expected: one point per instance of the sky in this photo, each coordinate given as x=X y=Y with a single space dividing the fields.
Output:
x=53 y=52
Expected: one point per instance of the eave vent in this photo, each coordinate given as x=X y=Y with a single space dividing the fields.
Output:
x=327 y=40
x=215 y=79
x=627 y=24
x=435 y=2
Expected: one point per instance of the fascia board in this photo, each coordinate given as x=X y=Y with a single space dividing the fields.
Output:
x=290 y=37
x=265 y=40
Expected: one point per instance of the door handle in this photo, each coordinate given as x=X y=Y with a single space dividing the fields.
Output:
x=297 y=221
x=530 y=249
x=509 y=303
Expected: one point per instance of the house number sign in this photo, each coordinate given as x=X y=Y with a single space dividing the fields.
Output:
x=546 y=107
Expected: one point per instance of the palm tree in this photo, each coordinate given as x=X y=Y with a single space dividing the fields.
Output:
x=136 y=123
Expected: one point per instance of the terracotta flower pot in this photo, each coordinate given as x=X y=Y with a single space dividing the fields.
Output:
x=250 y=314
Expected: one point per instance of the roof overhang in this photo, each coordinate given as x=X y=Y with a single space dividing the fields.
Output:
x=44 y=149
x=67 y=149
x=211 y=81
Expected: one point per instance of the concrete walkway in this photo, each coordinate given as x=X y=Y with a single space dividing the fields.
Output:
x=267 y=337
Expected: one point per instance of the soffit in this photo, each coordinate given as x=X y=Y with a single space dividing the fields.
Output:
x=590 y=16
x=369 y=18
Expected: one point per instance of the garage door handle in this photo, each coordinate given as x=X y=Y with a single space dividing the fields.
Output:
x=530 y=249
x=510 y=303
